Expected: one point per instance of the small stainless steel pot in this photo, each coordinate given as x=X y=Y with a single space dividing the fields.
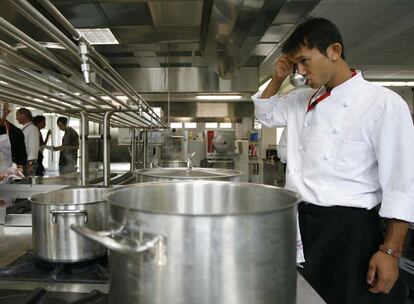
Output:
x=52 y=215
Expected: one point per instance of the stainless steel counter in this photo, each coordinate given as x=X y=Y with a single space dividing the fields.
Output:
x=14 y=241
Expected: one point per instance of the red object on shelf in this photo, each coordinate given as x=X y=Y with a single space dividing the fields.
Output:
x=210 y=137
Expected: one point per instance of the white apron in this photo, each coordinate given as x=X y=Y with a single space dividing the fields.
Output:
x=5 y=151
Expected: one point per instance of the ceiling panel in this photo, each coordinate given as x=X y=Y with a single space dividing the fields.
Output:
x=377 y=34
x=127 y=14
x=83 y=15
x=275 y=33
x=165 y=13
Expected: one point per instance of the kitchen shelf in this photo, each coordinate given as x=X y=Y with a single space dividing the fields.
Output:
x=48 y=76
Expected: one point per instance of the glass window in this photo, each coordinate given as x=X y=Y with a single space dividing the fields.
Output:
x=211 y=125
x=190 y=125
x=225 y=125
x=176 y=125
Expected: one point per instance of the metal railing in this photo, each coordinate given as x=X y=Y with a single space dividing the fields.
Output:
x=47 y=82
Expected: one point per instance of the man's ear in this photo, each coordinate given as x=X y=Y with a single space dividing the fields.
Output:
x=334 y=51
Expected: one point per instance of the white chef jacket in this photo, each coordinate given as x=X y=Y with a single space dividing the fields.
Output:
x=31 y=140
x=355 y=149
x=282 y=148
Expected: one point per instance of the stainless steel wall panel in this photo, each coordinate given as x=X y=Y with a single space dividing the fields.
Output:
x=235 y=28
x=151 y=34
x=151 y=80
x=166 y=13
x=200 y=111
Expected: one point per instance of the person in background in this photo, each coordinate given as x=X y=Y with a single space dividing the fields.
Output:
x=12 y=146
x=69 y=148
x=31 y=139
x=40 y=123
x=349 y=150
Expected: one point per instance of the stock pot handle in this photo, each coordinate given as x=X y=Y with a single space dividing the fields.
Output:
x=55 y=214
x=156 y=246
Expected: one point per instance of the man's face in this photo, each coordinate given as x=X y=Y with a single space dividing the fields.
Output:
x=315 y=66
x=61 y=126
x=42 y=124
x=20 y=118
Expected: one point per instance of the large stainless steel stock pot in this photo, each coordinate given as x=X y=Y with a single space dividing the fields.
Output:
x=201 y=242
x=177 y=174
x=53 y=214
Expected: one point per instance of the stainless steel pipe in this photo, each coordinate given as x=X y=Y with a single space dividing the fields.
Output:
x=84 y=151
x=133 y=150
x=106 y=149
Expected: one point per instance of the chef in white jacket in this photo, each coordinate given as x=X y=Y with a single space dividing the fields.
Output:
x=350 y=145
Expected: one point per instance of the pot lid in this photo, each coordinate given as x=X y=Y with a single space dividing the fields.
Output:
x=223 y=143
x=184 y=173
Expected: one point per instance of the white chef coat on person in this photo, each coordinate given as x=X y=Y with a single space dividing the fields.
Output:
x=6 y=159
x=354 y=149
x=282 y=148
x=31 y=140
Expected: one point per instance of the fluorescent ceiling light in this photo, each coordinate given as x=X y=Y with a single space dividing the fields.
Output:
x=3 y=82
x=218 y=97
x=98 y=36
x=394 y=83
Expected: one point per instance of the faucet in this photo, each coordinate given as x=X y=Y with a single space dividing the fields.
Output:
x=189 y=164
x=153 y=163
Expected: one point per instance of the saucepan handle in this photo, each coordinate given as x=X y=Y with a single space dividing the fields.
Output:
x=156 y=246
x=55 y=214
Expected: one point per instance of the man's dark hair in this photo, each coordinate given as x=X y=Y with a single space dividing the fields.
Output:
x=63 y=120
x=314 y=33
x=25 y=112
x=38 y=119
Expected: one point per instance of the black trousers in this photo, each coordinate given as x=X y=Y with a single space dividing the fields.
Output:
x=338 y=244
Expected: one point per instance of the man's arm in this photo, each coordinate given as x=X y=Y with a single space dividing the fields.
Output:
x=66 y=148
x=383 y=268
x=282 y=69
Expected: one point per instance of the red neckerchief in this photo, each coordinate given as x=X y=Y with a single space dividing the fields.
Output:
x=312 y=105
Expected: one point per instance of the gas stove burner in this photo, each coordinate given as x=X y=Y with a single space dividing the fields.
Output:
x=30 y=268
x=19 y=206
x=42 y=296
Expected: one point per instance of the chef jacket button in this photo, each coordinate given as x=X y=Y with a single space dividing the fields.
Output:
x=296 y=169
x=335 y=131
x=345 y=105
x=325 y=157
x=306 y=125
